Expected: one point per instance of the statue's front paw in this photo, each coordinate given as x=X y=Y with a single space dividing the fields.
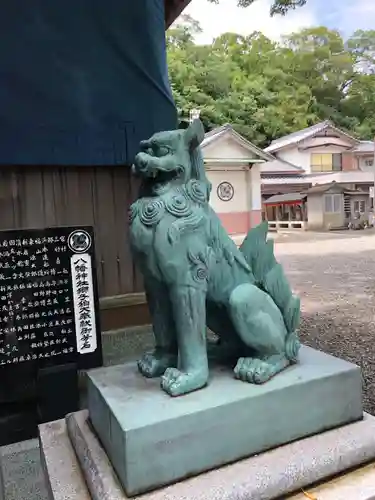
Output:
x=176 y=383
x=154 y=364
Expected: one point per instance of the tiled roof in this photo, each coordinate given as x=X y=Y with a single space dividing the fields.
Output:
x=364 y=147
x=218 y=132
x=215 y=133
x=350 y=177
x=323 y=188
x=297 y=136
x=301 y=135
x=278 y=166
x=296 y=179
x=284 y=198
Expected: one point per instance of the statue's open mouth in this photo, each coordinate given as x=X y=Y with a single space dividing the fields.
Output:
x=162 y=177
x=158 y=176
x=158 y=170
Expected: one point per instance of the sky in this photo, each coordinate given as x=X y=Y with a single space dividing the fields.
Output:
x=344 y=15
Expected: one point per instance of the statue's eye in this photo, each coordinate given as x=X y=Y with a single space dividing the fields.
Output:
x=150 y=151
x=163 y=151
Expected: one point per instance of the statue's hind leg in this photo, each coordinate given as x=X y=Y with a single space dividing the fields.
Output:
x=259 y=371
x=260 y=325
x=229 y=347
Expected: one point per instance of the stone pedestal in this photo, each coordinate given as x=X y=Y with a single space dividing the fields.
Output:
x=153 y=440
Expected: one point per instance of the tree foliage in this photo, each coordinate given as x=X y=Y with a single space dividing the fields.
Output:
x=267 y=89
x=278 y=6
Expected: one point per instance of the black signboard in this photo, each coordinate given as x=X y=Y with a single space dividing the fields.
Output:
x=49 y=318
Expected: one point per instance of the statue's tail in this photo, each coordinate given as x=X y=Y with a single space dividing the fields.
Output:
x=269 y=276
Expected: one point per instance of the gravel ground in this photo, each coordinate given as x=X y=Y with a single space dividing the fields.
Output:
x=335 y=278
x=334 y=274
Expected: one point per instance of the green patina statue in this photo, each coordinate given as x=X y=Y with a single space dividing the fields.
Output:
x=195 y=276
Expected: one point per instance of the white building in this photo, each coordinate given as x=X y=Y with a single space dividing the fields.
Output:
x=244 y=177
x=233 y=166
x=317 y=155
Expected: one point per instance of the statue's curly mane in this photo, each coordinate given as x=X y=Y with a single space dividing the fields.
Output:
x=187 y=202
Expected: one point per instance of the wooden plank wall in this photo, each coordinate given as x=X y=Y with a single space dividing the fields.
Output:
x=36 y=197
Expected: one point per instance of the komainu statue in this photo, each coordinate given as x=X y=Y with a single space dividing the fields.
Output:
x=195 y=276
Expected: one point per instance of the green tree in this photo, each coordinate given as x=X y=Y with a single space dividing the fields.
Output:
x=278 y=7
x=362 y=46
x=267 y=89
x=358 y=104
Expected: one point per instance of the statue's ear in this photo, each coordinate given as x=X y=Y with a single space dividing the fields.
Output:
x=194 y=134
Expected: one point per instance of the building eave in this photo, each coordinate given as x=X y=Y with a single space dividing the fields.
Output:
x=325 y=145
x=363 y=153
x=232 y=160
x=173 y=8
x=290 y=173
x=277 y=166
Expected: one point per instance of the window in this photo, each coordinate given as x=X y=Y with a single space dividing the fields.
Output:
x=360 y=206
x=326 y=162
x=332 y=203
x=369 y=162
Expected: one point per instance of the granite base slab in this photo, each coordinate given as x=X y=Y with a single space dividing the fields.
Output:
x=153 y=440
x=64 y=476
x=272 y=475
x=358 y=484
x=2 y=491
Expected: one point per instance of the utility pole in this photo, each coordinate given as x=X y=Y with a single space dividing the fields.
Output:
x=372 y=194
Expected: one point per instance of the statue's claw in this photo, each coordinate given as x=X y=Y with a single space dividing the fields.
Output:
x=176 y=383
x=153 y=364
x=257 y=371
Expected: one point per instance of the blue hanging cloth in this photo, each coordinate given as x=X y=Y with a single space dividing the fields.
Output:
x=81 y=81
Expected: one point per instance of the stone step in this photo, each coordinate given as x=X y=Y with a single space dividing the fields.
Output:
x=268 y=476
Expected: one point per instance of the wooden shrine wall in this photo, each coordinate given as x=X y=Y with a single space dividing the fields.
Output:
x=36 y=197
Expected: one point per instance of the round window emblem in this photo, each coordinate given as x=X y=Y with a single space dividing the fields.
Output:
x=225 y=191
x=79 y=241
